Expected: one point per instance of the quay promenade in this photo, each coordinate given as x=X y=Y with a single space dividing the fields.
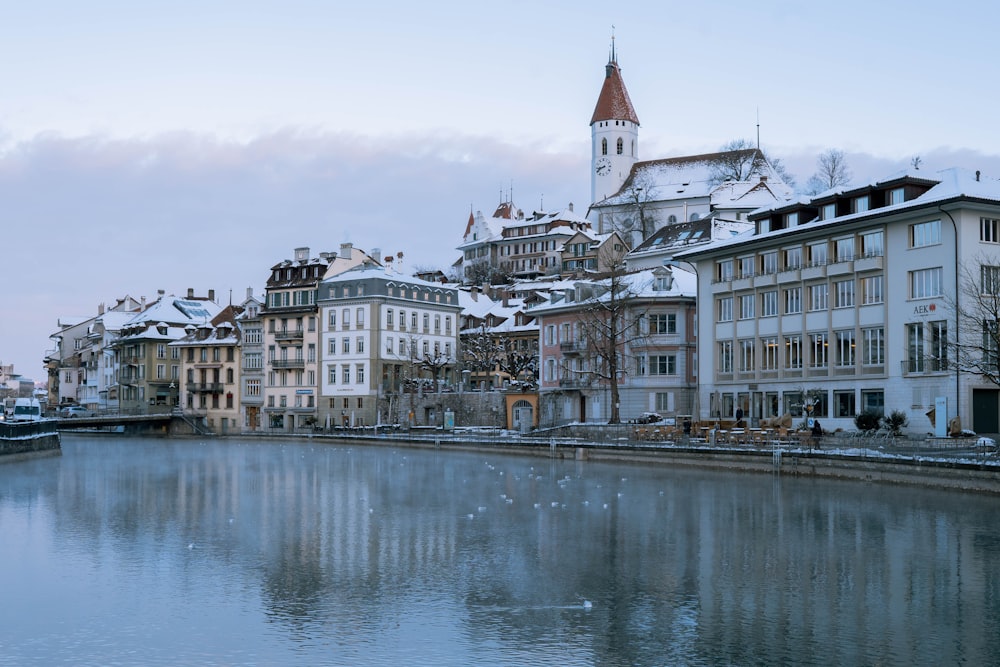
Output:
x=952 y=463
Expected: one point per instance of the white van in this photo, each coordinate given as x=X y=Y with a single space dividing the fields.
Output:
x=27 y=410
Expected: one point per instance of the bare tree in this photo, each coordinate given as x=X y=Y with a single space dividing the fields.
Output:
x=518 y=359
x=634 y=217
x=737 y=160
x=606 y=324
x=480 y=350
x=831 y=172
x=976 y=309
x=485 y=273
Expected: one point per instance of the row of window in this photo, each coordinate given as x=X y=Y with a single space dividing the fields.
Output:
x=281 y=353
x=817 y=253
x=766 y=303
x=646 y=324
x=203 y=401
x=619 y=146
x=298 y=401
x=203 y=375
x=216 y=354
x=299 y=378
x=795 y=402
x=927 y=350
x=345 y=373
x=292 y=298
x=793 y=352
x=390 y=320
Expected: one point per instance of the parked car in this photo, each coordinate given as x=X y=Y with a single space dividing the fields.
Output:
x=71 y=411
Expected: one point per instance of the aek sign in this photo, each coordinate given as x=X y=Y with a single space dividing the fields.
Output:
x=925 y=309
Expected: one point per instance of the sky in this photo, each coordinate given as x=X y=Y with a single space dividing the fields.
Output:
x=148 y=146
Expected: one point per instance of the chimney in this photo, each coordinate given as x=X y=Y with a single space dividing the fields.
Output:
x=211 y=295
x=977 y=175
x=160 y=293
x=302 y=254
x=474 y=293
x=506 y=299
x=100 y=309
x=376 y=253
x=249 y=292
x=345 y=250
x=142 y=304
x=571 y=207
x=190 y=292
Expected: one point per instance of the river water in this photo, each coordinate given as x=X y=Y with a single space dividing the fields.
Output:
x=185 y=552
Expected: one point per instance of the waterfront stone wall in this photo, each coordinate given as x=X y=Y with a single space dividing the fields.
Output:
x=19 y=441
x=471 y=408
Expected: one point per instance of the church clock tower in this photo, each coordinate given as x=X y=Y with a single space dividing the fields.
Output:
x=614 y=132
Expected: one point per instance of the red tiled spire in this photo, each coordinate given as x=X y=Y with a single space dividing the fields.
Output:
x=613 y=102
x=468 y=226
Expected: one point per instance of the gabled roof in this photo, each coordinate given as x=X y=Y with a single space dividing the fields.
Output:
x=176 y=311
x=696 y=176
x=613 y=103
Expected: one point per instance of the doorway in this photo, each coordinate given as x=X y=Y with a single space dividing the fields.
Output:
x=984 y=410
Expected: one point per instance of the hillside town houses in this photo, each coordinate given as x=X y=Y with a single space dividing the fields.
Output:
x=693 y=287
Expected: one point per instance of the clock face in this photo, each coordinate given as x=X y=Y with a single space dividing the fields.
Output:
x=603 y=166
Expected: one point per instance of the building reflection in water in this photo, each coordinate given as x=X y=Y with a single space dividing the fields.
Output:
x=379 y=552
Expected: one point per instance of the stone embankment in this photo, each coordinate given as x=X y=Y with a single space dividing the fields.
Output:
x=26 y=440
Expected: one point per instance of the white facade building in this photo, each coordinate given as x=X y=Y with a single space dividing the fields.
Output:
x=847 y=302
x=382 y=334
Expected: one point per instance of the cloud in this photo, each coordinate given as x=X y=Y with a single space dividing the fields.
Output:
x=89 y=219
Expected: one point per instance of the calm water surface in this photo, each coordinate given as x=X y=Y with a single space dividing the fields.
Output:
x=182 y=552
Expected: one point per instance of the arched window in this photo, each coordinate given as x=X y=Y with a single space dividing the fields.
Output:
x=694 y=216
x=672 y=218
x=621 y=145
x=633 y=150
x=604 y=146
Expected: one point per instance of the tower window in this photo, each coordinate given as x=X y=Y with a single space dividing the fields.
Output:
x=621 y=145
x=604 y=146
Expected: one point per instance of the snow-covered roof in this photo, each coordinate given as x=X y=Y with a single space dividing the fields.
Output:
x=174 y=310
x=640 y=285
x=695 y=176
x=948 y=184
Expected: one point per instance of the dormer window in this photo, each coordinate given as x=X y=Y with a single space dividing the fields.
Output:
x=792 y=219
x=860 y=204
x=894 y=196
x=828 y=212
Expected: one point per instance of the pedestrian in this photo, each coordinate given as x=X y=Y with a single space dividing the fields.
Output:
x=739 y=417
x=817 y=432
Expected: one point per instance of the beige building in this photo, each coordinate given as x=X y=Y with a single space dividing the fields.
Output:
x=210 y=367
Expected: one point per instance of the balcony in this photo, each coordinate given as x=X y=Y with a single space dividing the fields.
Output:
x=814 y=271
x=289 y=334
x=204 y=387
x=840 y=268
x=765 y=280
x=288 y=363
x=574 y=383
x=790 y=275
x=924 y=366
x=573 y=347
x=868 y=263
